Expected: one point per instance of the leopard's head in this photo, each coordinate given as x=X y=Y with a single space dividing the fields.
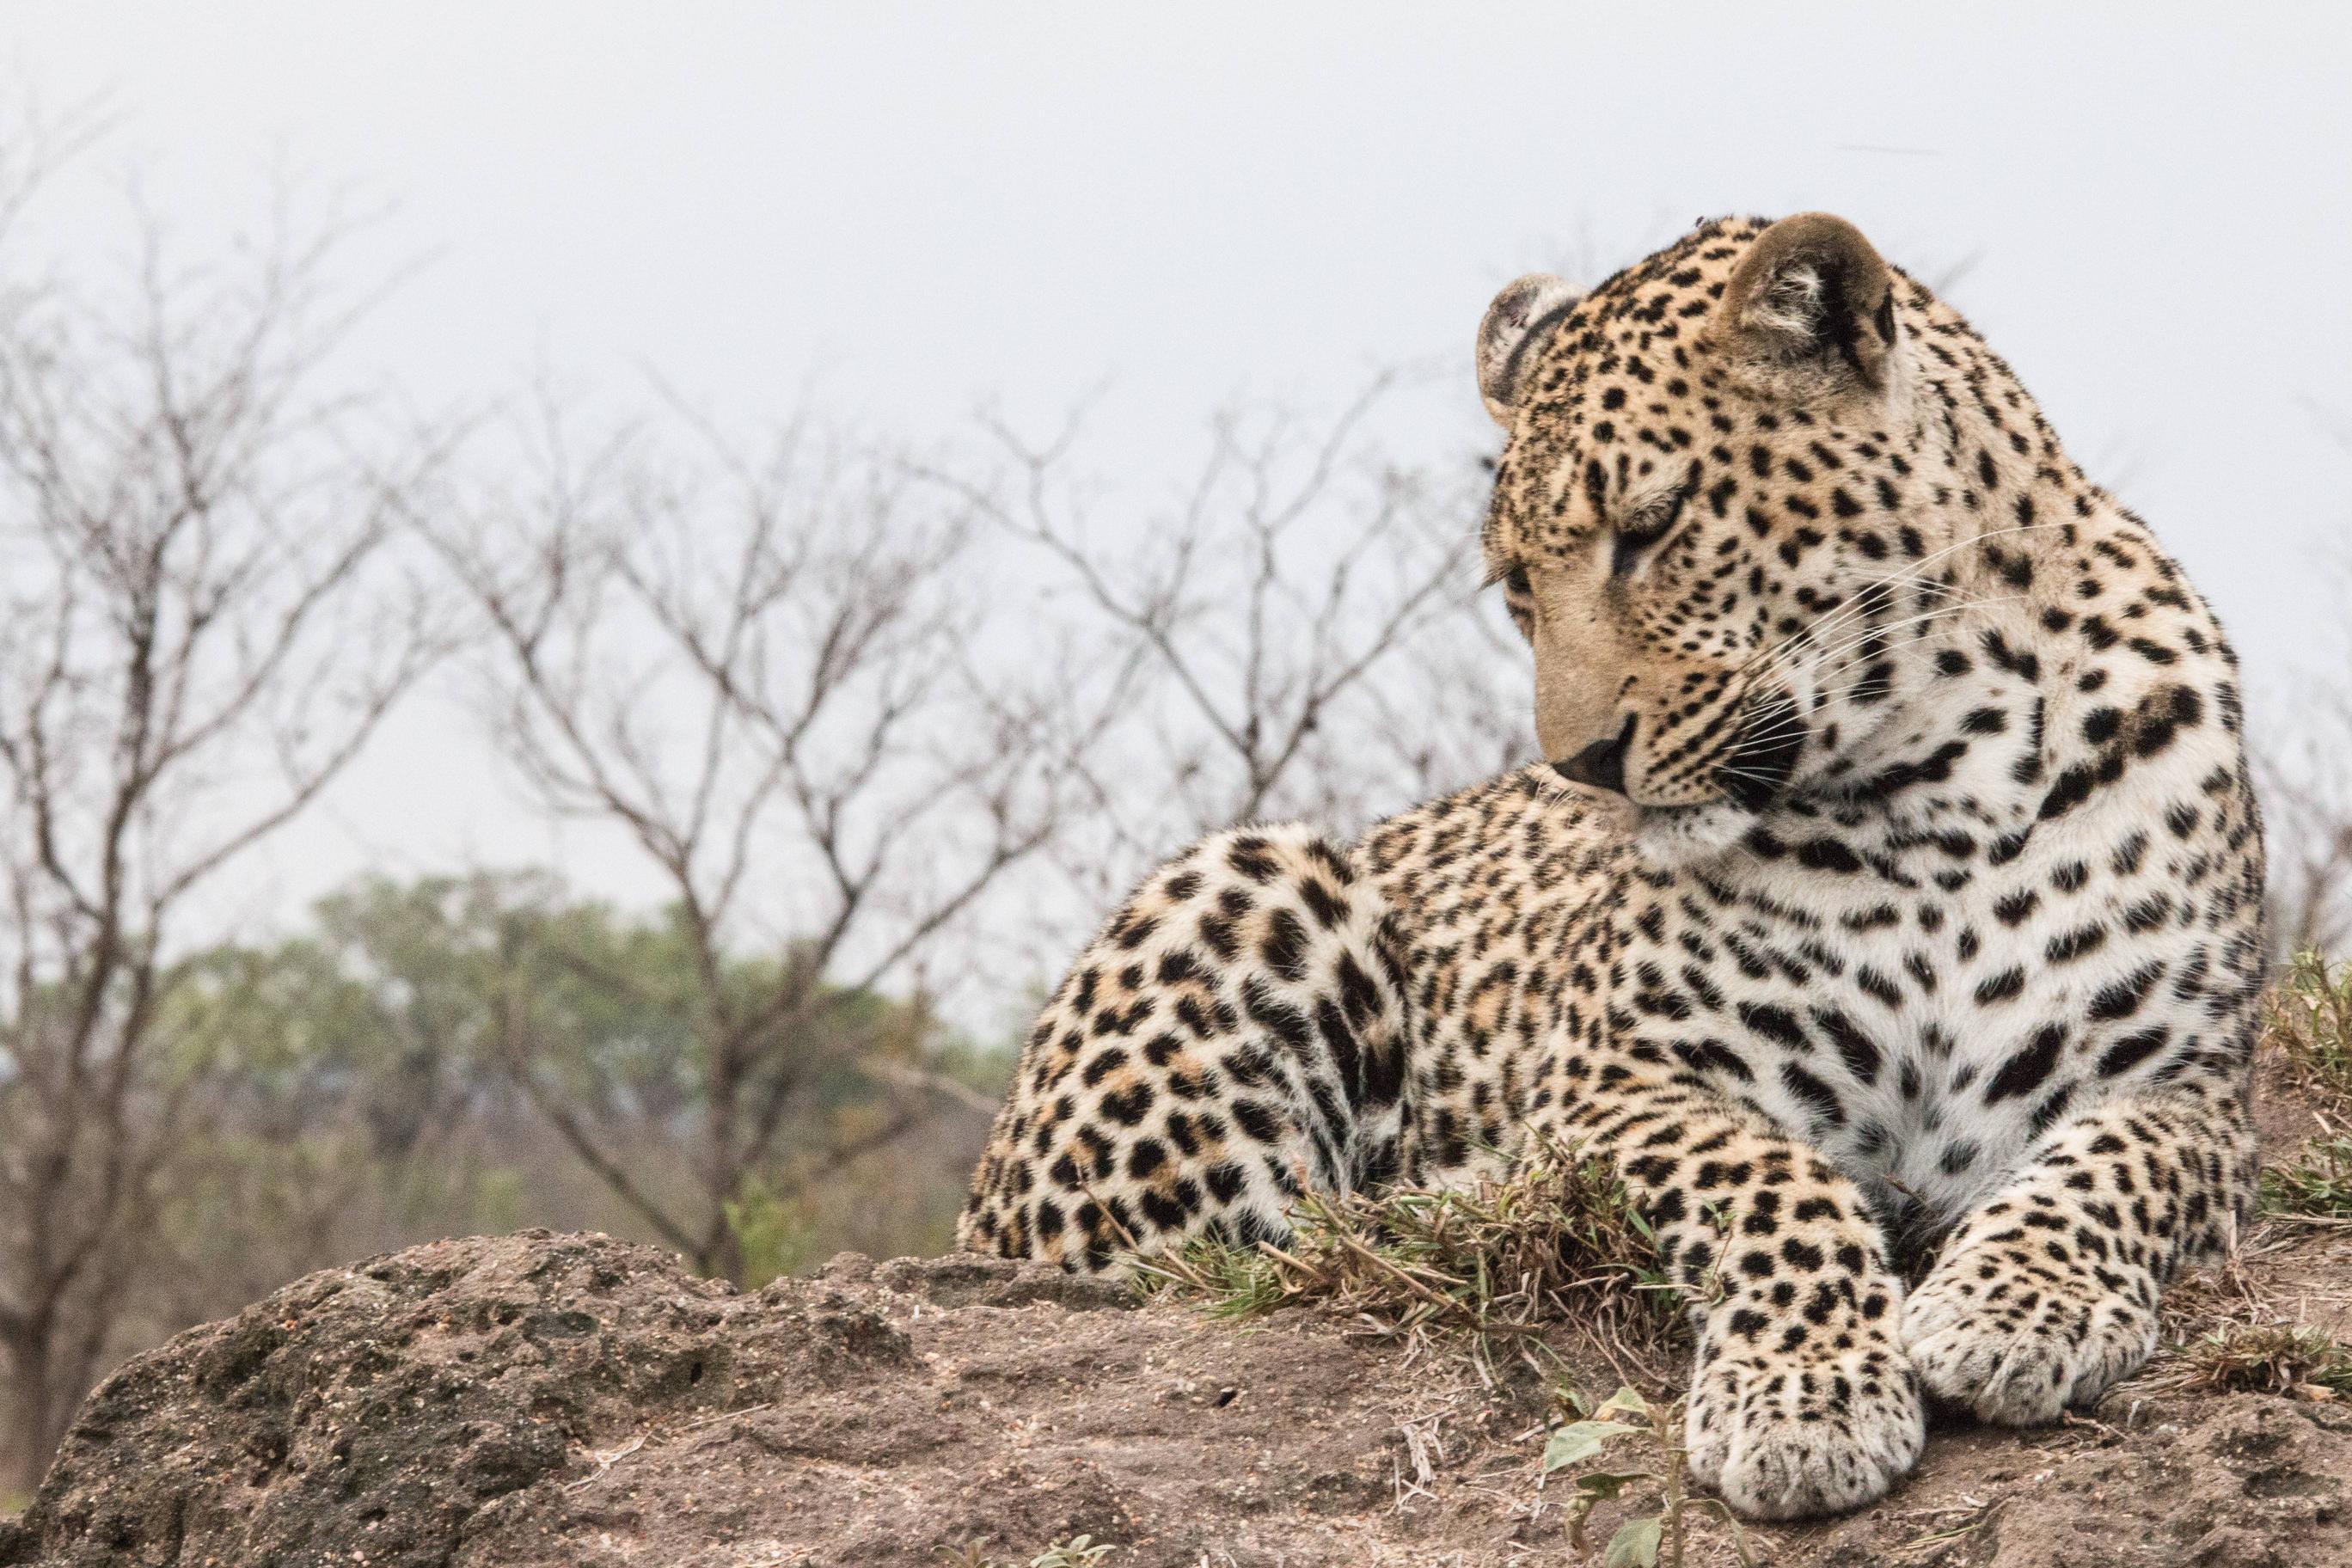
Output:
x=1709 y=517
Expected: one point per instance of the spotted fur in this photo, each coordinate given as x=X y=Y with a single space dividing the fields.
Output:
x=1902 y=904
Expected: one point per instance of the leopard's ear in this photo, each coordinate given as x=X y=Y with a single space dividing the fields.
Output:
x=1517 y=326
x=1813 y=298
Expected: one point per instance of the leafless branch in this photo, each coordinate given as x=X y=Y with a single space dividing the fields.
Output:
x=203 y=625
x=1291 y=635
x=763 y=670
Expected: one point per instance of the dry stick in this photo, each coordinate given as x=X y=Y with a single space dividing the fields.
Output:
x=1444 y=1303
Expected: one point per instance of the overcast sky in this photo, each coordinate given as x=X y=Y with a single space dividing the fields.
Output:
x=898 y=212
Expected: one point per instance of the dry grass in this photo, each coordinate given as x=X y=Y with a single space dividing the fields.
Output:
x=2276 y=1358
x=2307 y=1020
x=1496 y=1267
x=1489 y=1269
x=2315 y=1184
x=2235 y=1325
x=2307 y=1026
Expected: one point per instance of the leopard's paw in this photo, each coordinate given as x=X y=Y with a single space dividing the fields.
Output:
x=2017 y=1349
x=1792 y=1436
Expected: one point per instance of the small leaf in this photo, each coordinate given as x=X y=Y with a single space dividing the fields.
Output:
x=1602 y=1485
x=1628 y=1401
x=1636 y=1544
x=1581 y=1440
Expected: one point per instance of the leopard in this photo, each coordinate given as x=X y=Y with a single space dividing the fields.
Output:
x=1885 y=907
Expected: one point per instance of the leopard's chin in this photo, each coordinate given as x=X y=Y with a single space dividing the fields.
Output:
x=1675 y=835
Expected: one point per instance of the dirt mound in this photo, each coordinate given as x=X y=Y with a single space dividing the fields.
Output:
x=543 y=1400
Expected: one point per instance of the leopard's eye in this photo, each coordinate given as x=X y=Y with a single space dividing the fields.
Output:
x=1515 y=579
x=1635 y=539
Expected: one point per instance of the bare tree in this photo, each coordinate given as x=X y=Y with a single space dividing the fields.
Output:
x=2308 y=806
x=204 y=626
x=1295 y=635
x=767 y=675
x=2311 y=873
x=2306 y=767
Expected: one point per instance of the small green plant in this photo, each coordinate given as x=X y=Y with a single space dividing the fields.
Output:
x=773 y=1232
x=1078 y=1551
x=1490 y=1265
x=2277 y=1358
x=2307 y=1019
x=2317 y=1186
x=1641 y=1539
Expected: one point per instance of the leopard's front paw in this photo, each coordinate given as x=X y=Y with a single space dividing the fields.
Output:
x=2016 y=1346
x=1791 y=1436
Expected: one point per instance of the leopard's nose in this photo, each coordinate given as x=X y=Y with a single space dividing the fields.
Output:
x=1601 y=764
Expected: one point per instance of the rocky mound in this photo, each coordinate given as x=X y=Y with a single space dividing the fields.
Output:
x=572 y=1400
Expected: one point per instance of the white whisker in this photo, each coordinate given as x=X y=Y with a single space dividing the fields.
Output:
x=1942 y=612
x=1861 y=600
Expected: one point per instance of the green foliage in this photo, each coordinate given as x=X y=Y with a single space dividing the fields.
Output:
x=773 y=1232
x=1580 y=1440
x=1636 y=1544
x=1640 y=1539
x=2318 y=1184
x=434 y=989
x=387 y=1075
